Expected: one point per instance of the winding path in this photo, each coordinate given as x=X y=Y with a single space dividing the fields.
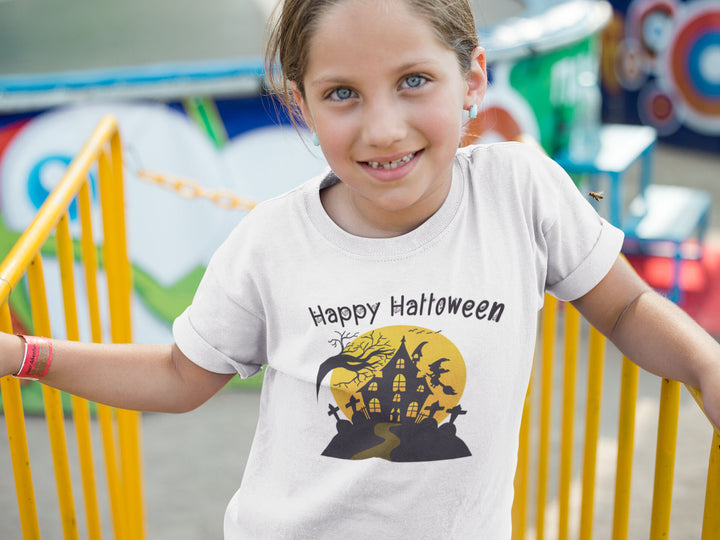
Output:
x=383 y=449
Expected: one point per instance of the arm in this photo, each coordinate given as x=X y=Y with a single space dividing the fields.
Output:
x=654 y=333
x=138 y=377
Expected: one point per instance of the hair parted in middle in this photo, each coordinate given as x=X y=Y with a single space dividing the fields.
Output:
x=294 y=23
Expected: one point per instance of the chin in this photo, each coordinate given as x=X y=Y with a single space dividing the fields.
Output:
x=397 y=204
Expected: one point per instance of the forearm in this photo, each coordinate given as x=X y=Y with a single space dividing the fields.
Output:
x=655 y=333
x=663 y=339
x=660 y=337
x=132 y=376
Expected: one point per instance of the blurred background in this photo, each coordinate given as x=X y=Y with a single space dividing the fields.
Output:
x=185 y=81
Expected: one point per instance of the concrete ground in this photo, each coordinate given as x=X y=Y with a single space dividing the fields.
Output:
x=193 y=463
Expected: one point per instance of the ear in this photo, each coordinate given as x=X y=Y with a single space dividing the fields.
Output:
x=302 y=104
x=477 y=78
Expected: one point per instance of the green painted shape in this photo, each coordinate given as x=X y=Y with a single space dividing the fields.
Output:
x=532 y=78
x=166 y=302
x=19 y=299
x=204 y=113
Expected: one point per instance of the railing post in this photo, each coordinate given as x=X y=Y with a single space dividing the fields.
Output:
x=572 y=341
x=80 y=407
x=53 y=406
x=665 y=459
x=117 y=267
x=626 y=444
x=596 y=359
x=549 y=325
x=711 y=515
x=519 y=508
x=17 y=439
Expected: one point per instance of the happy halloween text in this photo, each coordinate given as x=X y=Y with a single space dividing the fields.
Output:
x=400 y=306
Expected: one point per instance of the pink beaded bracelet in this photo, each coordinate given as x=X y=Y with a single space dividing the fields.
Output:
x=37 y=359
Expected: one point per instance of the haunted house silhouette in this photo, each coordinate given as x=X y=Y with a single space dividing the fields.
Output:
x=398 y=392
x=396 y=422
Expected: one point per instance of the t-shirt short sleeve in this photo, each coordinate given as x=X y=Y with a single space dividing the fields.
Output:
x=592 y=268
x=580 y=246
x=223 y=330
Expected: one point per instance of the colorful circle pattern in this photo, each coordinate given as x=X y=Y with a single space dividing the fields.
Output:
x=656 y=108
x=651 y=23
x=693 y=67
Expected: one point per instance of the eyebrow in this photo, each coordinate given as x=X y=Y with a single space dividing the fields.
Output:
x=408 y=66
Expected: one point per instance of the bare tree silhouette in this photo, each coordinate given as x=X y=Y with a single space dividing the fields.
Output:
x=364 y=356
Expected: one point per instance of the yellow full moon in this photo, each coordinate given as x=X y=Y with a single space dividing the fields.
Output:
x=430 y=358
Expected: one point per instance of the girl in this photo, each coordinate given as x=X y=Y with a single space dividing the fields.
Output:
x=394 y=299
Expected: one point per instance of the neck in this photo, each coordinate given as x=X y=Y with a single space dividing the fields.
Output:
x=351 y=212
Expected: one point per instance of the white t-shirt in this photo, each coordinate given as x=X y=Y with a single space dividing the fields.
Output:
x=396 y=368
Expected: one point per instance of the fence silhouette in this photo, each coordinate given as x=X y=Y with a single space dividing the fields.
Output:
x=558 y=348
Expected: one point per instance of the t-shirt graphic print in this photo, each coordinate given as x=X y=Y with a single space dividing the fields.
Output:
x=397 y=393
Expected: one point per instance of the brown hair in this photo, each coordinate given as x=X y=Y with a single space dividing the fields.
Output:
x=295 y=22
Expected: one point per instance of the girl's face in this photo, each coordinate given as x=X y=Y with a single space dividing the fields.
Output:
x=386 y=99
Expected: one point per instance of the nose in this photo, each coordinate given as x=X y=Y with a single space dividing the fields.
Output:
x=384 y=122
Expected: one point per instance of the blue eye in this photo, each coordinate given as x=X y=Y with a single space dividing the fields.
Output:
x=414 y=81
x=341 y=94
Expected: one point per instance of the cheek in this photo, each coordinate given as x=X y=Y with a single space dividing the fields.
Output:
x=336 y=142
x=444 y=125
x=443 y=114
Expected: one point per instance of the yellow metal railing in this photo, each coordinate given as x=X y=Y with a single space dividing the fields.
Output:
x=572 y=333
x=119 y=428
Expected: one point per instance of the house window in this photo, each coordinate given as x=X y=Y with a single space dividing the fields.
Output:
x=397 y=398
x=421 y=388
x=400 y=363
x=372 y=387
x=375 y=405
x=399 y=383
x=412 y=410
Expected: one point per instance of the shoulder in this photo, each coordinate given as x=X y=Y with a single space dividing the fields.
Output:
x=272 y=223
x=274 y=215
x=513 y=169
x=521 y=178
x=507 y=157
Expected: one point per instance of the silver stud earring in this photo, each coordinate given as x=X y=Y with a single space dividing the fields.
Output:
x=315 y=140
x=473 y=111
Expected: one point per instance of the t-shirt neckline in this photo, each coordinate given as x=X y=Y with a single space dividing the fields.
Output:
x=394 y=247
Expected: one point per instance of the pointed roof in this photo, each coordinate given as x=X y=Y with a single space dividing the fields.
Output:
x=401 y=352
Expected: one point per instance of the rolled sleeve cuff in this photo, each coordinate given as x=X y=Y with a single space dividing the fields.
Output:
x=203 y=354
x=594 y=268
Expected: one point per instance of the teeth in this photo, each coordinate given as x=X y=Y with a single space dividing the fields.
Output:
x=391 y=164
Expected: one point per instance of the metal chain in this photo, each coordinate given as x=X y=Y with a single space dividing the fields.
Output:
x=188 y=189
x=185 y=188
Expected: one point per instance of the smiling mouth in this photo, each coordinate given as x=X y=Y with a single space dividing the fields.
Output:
x=389 y=165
